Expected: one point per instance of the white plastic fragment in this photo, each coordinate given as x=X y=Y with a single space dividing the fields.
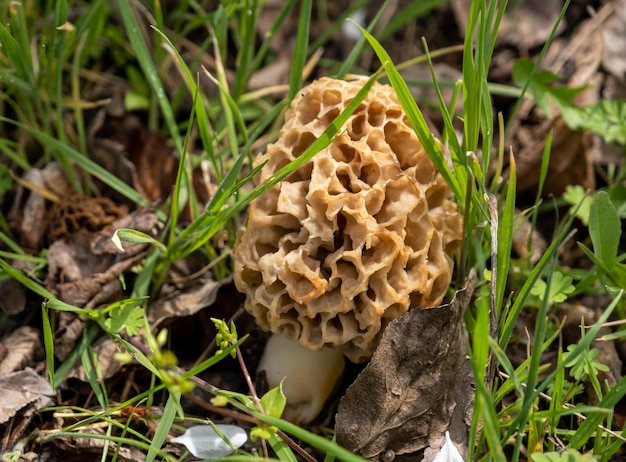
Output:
x=203 y=442
x=448 y=452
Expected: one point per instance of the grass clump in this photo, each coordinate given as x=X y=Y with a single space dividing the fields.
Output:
x=523 y=411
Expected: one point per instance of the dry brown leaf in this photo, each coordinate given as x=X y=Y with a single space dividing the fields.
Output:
x=276 y=73
x=572 y=152
x=186 y=302
x=84 y=269
x=104 y=348
x=614 y=35
x=67 y=334
x=523 y=235
x=13 y=298
x=141 y=158
x=570 y=157
x=87 y=447
x=21 y=388
x=404 y=399
x=529 y=23
x=525 y=24
x=22 y=346
x=29 y=209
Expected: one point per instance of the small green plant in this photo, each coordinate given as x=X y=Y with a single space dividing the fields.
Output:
x=560 y=287
x=605 y=230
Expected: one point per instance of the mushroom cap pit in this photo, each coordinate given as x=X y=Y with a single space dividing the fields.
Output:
x=355 y=237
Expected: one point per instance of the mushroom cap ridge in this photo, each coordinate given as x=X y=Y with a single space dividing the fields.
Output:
x=355 y=237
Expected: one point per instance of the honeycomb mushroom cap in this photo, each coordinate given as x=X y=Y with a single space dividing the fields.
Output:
x=354 y=238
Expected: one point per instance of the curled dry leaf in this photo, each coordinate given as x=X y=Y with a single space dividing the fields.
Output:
x=186 y=302
x=84 y=269
x=21 y=388
x=404 y=399
x=21 y=347
x=141 y=157
x=30 y=207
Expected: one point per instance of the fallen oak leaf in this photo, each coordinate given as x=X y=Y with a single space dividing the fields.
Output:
x=405 y=397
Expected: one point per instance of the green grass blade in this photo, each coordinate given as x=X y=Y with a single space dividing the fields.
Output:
x=183 y=182
x=301 y=49
x=16 y=44
x=227 y=189
x=543 y=173
x=505 y=240
x=485 y=411
x=510 y=317
x=471 y=85
x=144 y=56
x=538 y=62
x=605 y=229
x=163 y=429
x=61 y=373
x=536 y=354
x=574 y=355
x=203 y=124
x=282 y=449
x=261 y=53
x=455 y=180
x=558 y=390
x=247 y=28
x=89 y=362
x=48 y=342
x=506 y=364
x=86 y=164
x=27 y=282
x=232 y=111
x=449 y=132
x=314 y=440
x=591 y=423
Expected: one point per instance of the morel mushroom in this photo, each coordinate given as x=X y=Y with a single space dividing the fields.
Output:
x=354 y=238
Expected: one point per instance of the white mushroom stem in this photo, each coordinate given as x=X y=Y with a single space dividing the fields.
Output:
x=310 y=376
